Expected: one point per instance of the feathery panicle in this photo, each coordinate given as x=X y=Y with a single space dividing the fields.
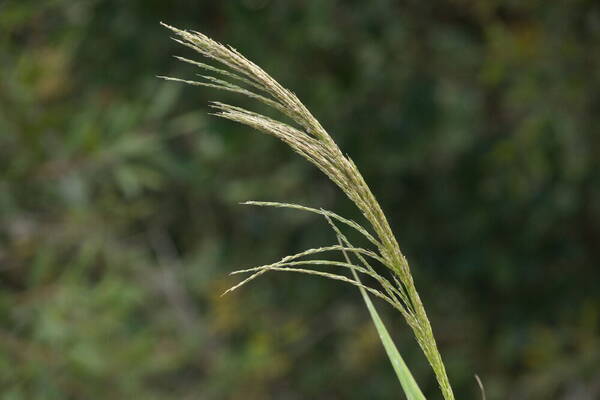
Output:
x=309 y=139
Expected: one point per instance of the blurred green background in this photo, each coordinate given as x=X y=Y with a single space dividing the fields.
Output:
x=475 y=123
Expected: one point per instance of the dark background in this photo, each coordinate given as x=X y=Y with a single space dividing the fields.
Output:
x=475 y=123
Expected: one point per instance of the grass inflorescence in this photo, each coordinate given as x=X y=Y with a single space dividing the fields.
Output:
x=305 y=135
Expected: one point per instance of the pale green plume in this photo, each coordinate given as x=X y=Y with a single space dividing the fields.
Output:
x=308 y=138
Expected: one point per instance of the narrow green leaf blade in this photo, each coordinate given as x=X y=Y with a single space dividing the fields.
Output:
x=409 y=385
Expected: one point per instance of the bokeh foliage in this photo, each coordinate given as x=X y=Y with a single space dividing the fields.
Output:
x=475 y=123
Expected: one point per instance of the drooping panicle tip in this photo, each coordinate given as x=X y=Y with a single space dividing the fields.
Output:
x=168 y=26
x=216 y=105
x=172 y=28
x=230 y=290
